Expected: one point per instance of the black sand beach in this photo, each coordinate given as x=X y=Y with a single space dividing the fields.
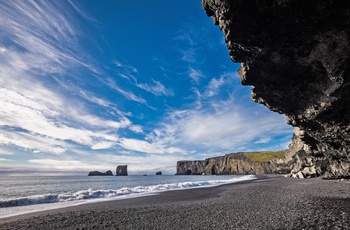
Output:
x=271 y=202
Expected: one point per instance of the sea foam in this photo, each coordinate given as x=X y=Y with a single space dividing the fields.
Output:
x=22 y=205
x=109 y=193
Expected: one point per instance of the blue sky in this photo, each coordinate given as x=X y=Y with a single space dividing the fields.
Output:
x=88 y=85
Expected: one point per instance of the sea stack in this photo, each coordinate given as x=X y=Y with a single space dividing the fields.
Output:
x=122 y=170
x=97 y=173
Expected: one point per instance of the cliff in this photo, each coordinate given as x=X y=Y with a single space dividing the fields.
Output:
x=295 y=56
x=237 y=164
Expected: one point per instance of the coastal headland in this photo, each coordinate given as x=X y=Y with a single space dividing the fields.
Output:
x=270 y=202
x=243 y=163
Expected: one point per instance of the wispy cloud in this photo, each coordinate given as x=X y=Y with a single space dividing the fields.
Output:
x=214 y=85
x=232 y=128
x=130 y=73
x=62 y=104
x=140 y=145
x=156 y=88
x=39 y=120
x=126 y=93
x=42 y=41
x=218 y=122
x=263 y=140
x=82 y=13
x=195 y=75
x=43 y=33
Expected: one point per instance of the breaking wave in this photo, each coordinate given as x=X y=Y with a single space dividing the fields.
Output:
x=114 y=194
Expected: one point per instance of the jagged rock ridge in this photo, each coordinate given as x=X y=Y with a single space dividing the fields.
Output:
x=233 y=163
x=295 y=55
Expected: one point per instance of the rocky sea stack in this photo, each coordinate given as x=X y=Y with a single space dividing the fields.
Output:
x=296 y=56
x=122 y=170
x=97 y=173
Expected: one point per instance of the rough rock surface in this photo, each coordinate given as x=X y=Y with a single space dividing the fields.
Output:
x=295 y=55
x=233 y=163
x=97 y=173
x=122 y=170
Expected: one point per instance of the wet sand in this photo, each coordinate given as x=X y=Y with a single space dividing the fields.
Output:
x=271 y=202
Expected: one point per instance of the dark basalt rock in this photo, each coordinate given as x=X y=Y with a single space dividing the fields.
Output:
x=97 y=173
x=159 y=173
x=122 y=170
x=296 y=56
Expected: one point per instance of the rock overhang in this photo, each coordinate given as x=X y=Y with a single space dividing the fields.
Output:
x=295 y=55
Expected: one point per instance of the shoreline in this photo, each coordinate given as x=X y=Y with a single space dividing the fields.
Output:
x=12 y=211
x=271 y=201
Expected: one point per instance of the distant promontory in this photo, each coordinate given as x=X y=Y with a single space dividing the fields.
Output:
x=269 y=162
x=97 y=173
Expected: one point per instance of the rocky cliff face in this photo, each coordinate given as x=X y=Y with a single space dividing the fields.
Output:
x=296 y=56
x=233 y=163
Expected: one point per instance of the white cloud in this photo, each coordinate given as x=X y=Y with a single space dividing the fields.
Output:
x=136 y=128
x=38 y=120
x=46 y=108
x=127 y=94
x=102 y=145
x=82 y=13
x=42 y=41
x=140 y=145
x=189 y=55
x=186 y=36
x=128 y=69
x=44 y=33
x=195 y=75
x=214 y=86
x=172 y=150
x=157 y=89
x=32 y=142
x=129 y=72
x=263 y=140
x=3 y=159
x=223 y=127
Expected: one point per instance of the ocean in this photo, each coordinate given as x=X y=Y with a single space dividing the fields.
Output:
x=20 y=195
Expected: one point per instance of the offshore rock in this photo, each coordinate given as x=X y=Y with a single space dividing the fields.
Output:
x=231 y=164
x=122 y=170
x=295 y=55
x=97 y=173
